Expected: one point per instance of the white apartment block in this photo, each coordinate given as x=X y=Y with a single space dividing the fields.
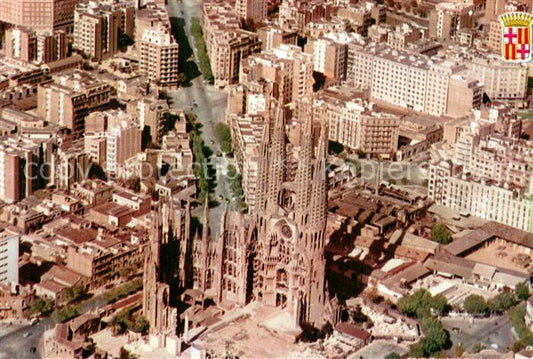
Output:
x=355 y=124
x=412 y=81
x=489 y=177
x=501 y=80
x=9 y=258
x=480 y=198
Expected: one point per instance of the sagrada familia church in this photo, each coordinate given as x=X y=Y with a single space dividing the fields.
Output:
x=273 y=255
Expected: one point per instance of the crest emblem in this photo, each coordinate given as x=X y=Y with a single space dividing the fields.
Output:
x=516 y=36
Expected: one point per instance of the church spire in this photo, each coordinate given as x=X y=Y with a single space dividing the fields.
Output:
x=277 y=158
x=318 y=205
x=305 y=166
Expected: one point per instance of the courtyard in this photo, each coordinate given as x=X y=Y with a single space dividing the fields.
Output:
x=504 y=255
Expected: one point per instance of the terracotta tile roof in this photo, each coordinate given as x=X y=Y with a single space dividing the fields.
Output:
x=352 y=331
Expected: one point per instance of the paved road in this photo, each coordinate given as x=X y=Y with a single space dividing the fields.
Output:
x=208 y=103
x=16 y=345
x=496 y=330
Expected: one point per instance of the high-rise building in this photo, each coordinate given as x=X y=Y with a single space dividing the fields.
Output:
x=329 y=56
x=96 y=30
x=501 y=80
x=9 y=257
x=449 y=17
x=287 y=72
x=123 y=142
x=157 y=48
x=28 y=46
x=20 y=162
x=226 y=43
x=355 y=124
x=413 y=81
x=70 y=98
x=39 y=15
x=254 y=10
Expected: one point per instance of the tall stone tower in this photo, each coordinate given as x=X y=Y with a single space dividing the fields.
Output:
x=158 y=287
x=290 y=222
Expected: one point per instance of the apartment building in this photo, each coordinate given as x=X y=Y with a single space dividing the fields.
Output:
x=123 y=142
x=448 y=18
x=272 y=37
x=67 y=101
x=28 y=46
x=403 y=35
x=501 y=80
x=489 y=177
x=39 y=15
x=413 y=81
x=152 y=114
x=227 y=44
x=254 y=10
x=96 y=30
x=9 y=257
x=247 y=131
x=102 y=258
x=355 y=123
x=157 y=48
x=296 y=14
x=20 y=162
x=330 y=54
x=287 y=70
x=69 y=166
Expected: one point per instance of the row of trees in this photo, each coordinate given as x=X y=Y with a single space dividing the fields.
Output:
x=236 y=188
x=223 y=135
x=123 y=291
x=517 y=316
x=66 y=313
x=203 y=57
x=477 y=305
x=201 y=154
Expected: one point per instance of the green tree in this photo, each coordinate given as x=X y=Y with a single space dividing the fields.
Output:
x=223 y=135
x=125 y=354
x=440 y=234
x=76 y=293
x=419 y=304
x=122 y=322
x=41 y=306
x=440 y=304
x=141 y=325
x=476 y=305
x=393 y=355
x=309 y=333
x=203 y=57
x=478 y=347
x=522 y=291
x=64 y=314
x=327 y=328
x=502 y=302
x=435 y=337
x=517 y=318
x=416 y=350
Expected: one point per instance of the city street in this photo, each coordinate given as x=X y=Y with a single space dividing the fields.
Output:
x=209 y=105
x=19 y=343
